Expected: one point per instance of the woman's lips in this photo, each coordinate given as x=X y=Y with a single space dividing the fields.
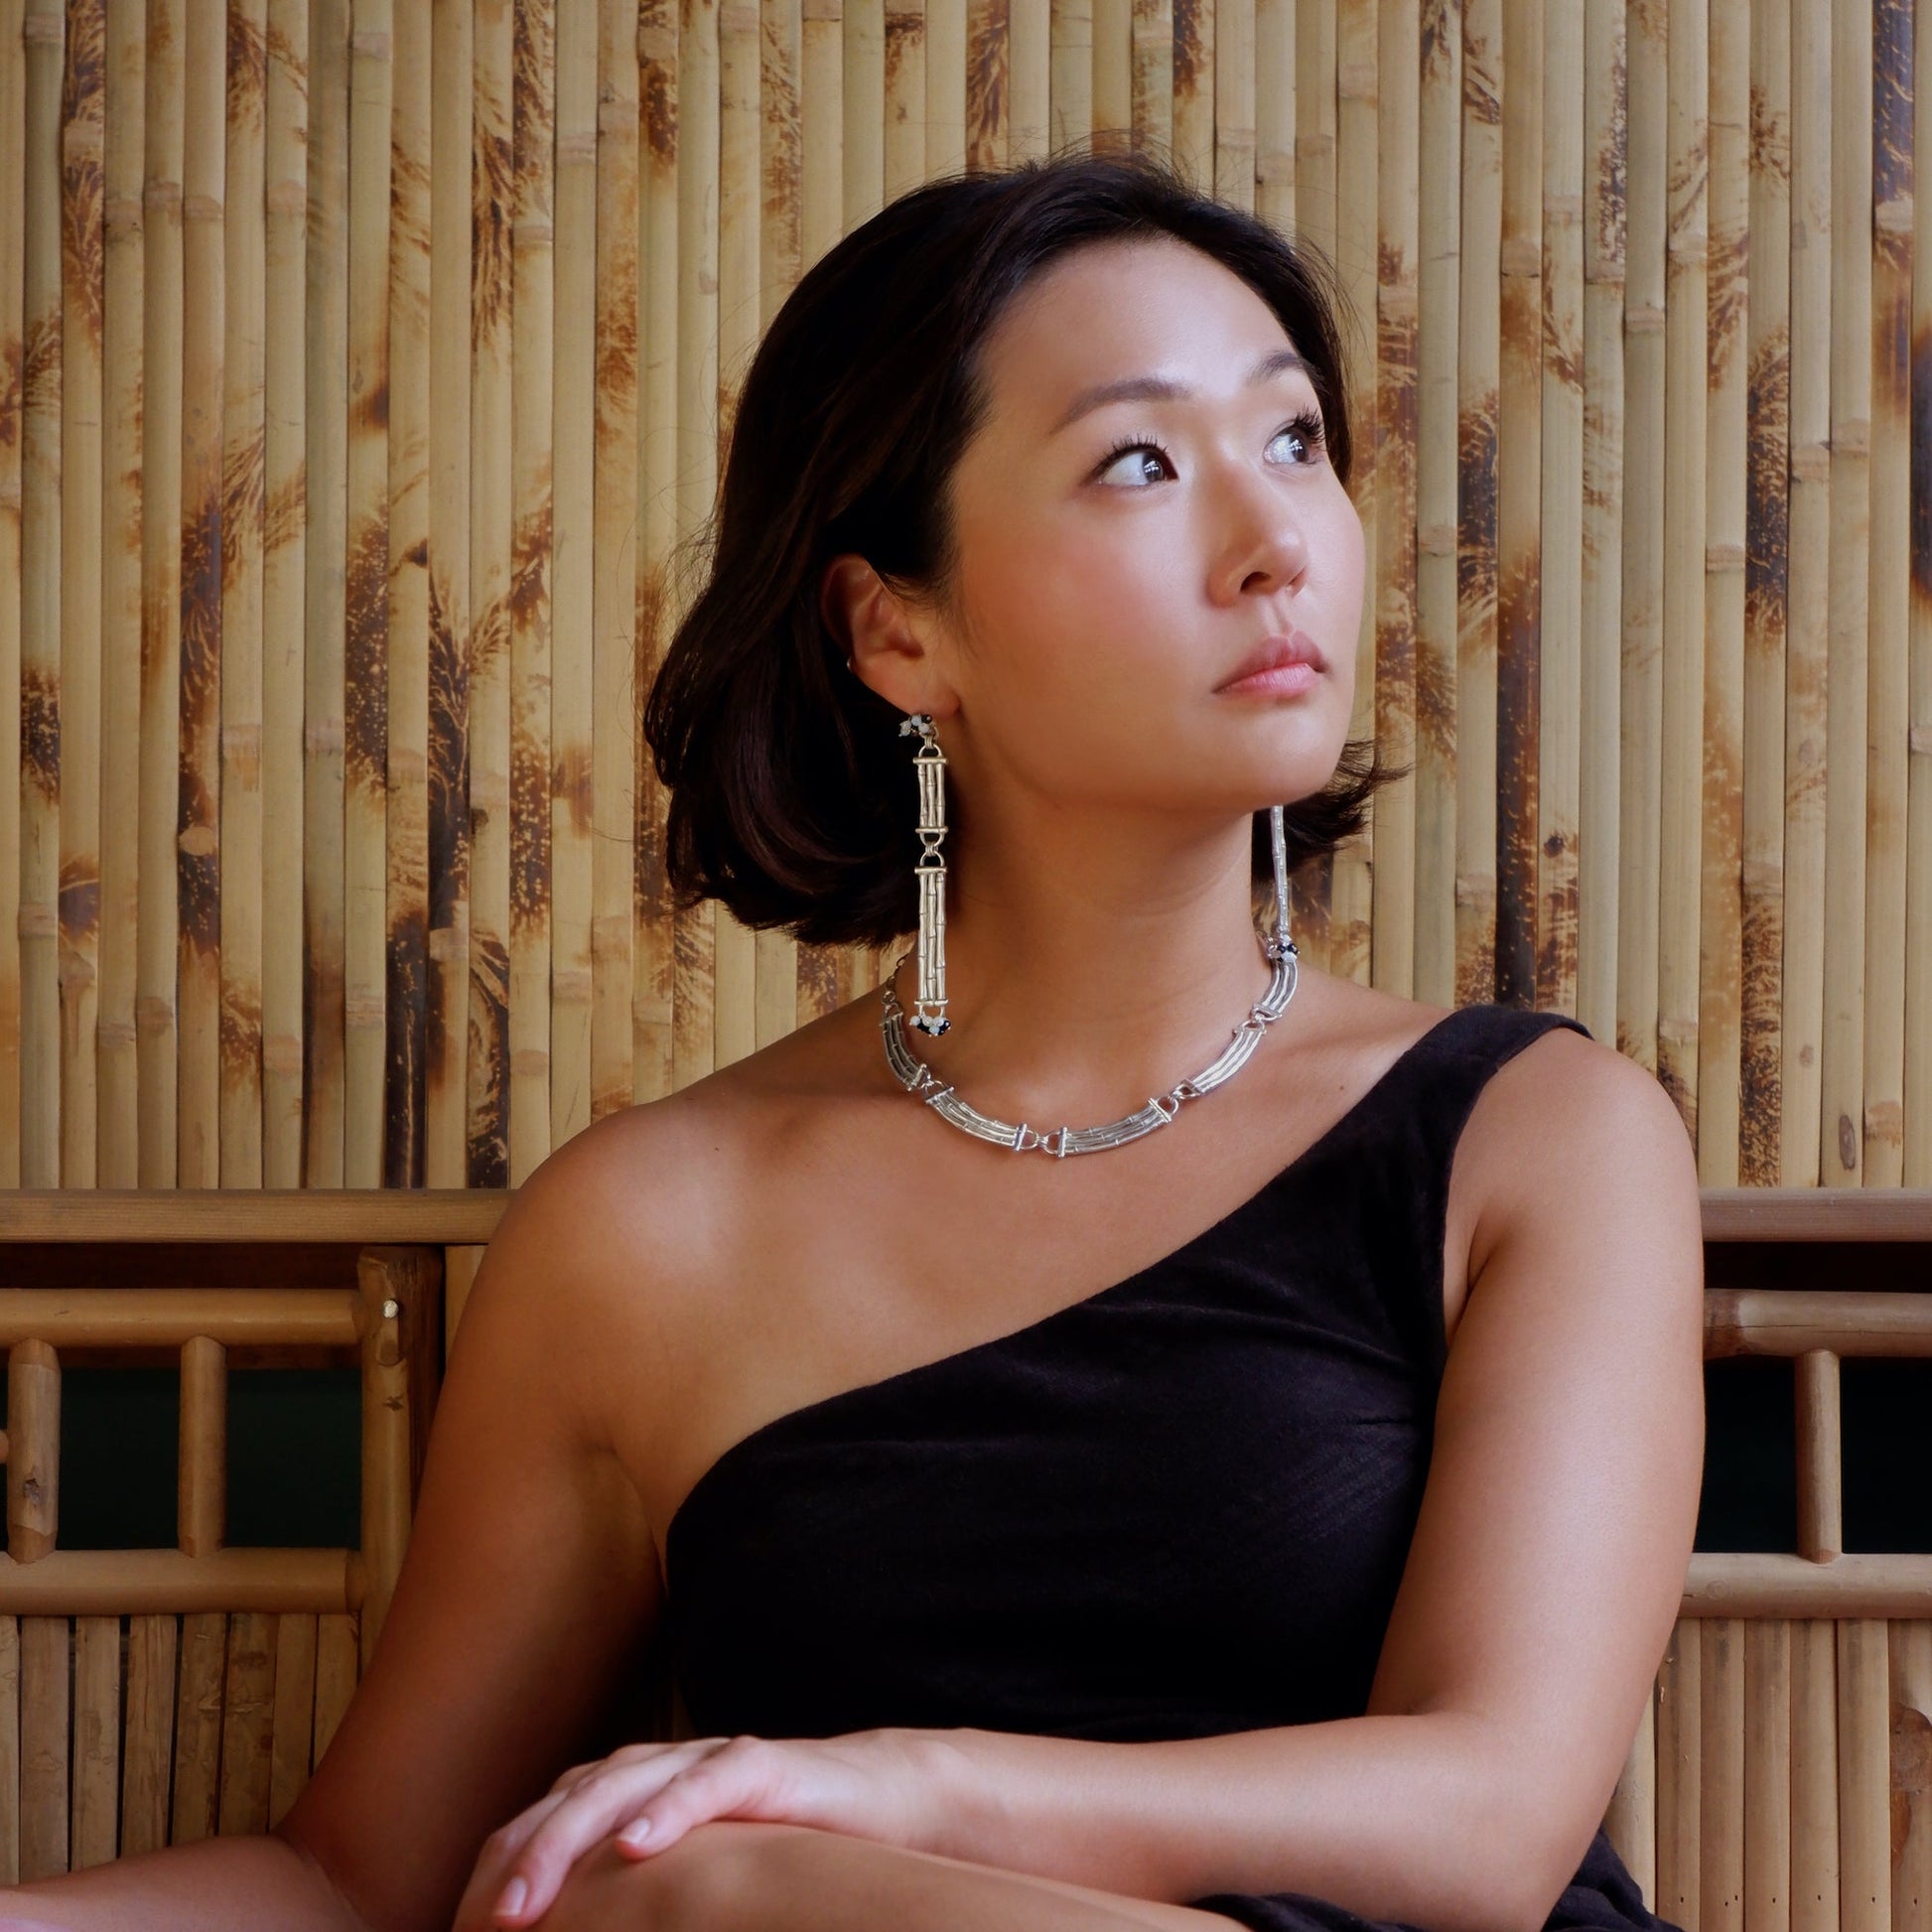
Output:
x=1282 y=682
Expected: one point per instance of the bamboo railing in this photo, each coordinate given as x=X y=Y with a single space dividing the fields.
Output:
x=362 y=363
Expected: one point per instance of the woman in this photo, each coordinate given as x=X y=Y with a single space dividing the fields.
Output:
x=1273 y=1520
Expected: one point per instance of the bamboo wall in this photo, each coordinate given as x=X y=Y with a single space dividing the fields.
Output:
x=338 y=861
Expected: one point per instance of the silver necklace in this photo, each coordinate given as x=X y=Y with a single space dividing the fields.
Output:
x=918 y=1078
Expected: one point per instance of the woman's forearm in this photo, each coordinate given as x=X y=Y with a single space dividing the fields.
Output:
x=1395 y=1817
x=257 y=1883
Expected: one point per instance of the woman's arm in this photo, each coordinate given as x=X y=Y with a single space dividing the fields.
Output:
x=529 y=1585
x=1541 y=1588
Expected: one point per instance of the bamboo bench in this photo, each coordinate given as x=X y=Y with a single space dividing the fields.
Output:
x=1781 y=1779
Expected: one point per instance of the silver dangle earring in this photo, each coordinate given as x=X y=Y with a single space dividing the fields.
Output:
x=1279 y=945
x=930 y=763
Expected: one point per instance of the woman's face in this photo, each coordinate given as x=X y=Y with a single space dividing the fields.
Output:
x=1121 y=556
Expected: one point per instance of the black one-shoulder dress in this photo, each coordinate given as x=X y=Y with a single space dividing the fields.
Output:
x=1176 y=1508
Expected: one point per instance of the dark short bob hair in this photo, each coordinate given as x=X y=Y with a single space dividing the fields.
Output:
x=792 y=797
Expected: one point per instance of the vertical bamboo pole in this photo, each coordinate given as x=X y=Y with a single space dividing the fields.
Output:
x=1606 y=174
x=487 y=1073
x=863 y=105
x=244 y=455
x=1680 y=744
x=1917 y=1166
x=1813 y=1776
x=616 y=700
x=284 y=532
x=1193 y=62
x=201 y=1510
x=573 y=605
x=1889 y=687
x=406 y=745
x=904 y=103
x=325 y=561
x=392 y=1284
x=1519 y=459
x=1768 y=1766
x=652 y=1029
x=248 y=1717
x=1316 y=218
x=366 y=641
x=1720 y=1775
x=294 y=1717
x=1841 y=1098
x=1234 y=98
x=1438 y=272
x=1154 y=37
x=756 y=978
x=1030 y=41
x=694 y=1044
x=1864 y=1776
x=945 y=94
x=1275 y=104
x=1069 y=27
x=33 y=1530
x=1641 y=692
x=1910 y=1671
x=1561 y=557
x=445 y=1056
x=1397 y=297
x=161 y=402
x=1807 y=636
x=1357 y=194
x=989 y=84
x=1479 y=377
x=336 y=1645
x=531 y=399
x=40 y=605
x=13 y=173
x=1721 y=911
x=1114 y=42
x=199 y=863
x=125 y=125
x=1768 y=458
x=10 y=1679
x=82 y=257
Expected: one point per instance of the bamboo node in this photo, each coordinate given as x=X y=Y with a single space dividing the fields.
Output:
x=121 y=213
x=576 y=148
x=198 y=841
x=532 y=232
x=1723 y=556
x=43 y=29
x=161 y=195
x=84 y=137
x=1643 y=319
x=656 y=44
x=370 y=43
x=287 y=198
x=200 y=207
x=1919 y=740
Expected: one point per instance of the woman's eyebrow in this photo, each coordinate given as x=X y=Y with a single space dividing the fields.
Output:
x=1161 y=388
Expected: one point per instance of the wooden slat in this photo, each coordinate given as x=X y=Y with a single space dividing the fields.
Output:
x=96 y=1739
x=1767 y=1771
x=153 y=1643
x=247 y=1720
x=1814 y=1777
x=45 y=1665
x=197 y=1726
x=1911 y=1773
x=1864 y=1776
x=1721 y=1776
x=295 y=1712
x=13 y=355
x=1679 y=1776
x=9 y=1750
x=336 y=1675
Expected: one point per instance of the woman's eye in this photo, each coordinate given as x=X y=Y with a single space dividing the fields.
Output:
x=1307 y=428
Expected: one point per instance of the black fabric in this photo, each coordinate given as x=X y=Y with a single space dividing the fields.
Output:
x=1177 y=1508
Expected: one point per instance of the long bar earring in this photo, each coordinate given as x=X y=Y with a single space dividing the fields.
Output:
x=930 y=763
x=1280 y=945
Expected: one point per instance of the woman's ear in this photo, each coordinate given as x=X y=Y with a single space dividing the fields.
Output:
x=884 y=645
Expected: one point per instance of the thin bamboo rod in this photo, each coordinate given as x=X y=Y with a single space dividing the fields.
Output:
x=1807 y=647
x=44 y=1732
x=1820 y=1471
x=616 y=700
x=1600 y=698
x=123 y=301
x=946 y=58
x=13 y=358
x=1768 y=458
x=77 y=730
x=778 y=95
x=1275 y=111
x=156 y=914
x=1679 y=1775
x=862 y=98
x=1030 y=57
x=247 y=1714
x=197 y=1726
x=1917 y=1166
x=1113 y=70
x=364 y=694
x=989 y=84
x=447 y=991
x=1153 y=42
x=1560 y=568
x=197 y=865
x=325 y=407
x=1234 y=101
x=1398 y=304
x=172 y=1318
x=1439 y=269
x=1479 y=379
x=149 y=1741
x=164 y=1584
x=1889 y=553
x=244 y=457
x=1911 y=1693
x=284 y=543
x=652 y=963
x=1841 y=1056
x=407 y=744
x=532 y=334
x=40 y=603
x=1864 y=1775
x=1814 y=1774
x=487 y=1073
x=1193 y=71
x=294 y=1721
x=1069 y=29
x=1720 y=992
x=9 y=1750
x=1767 y=1770
x=1720 y=1775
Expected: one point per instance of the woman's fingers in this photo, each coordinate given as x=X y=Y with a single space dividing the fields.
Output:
x=744 y=1778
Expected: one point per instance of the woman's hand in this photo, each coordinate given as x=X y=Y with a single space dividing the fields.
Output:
x=879 y=1784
